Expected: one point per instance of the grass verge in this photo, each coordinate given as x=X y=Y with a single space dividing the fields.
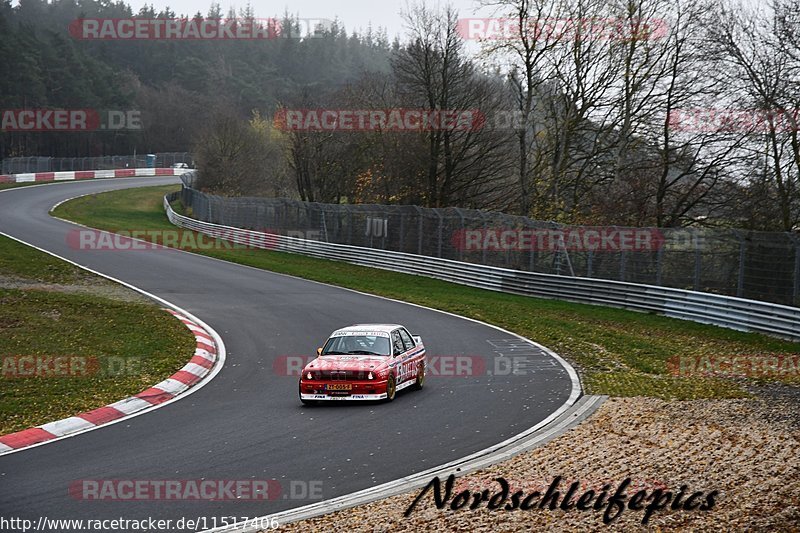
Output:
x=617 y=352
x=63 y=353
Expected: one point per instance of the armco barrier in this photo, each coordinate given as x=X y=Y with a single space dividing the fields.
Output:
x=726 y=311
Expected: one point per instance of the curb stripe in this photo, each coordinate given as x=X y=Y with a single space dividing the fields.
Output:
x=90 y=174
x=192 y=368
x=199 y=352
x=102 y=415
x=207 y=347
x=154 y=396
x=66 y=426
x=187 y=378
x=26 y=437
x=199 y=360
x=130 y=405
x=184 y=378
x=205 y=339
x=172 y=386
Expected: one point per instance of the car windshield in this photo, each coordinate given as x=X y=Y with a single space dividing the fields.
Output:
x=357 y=345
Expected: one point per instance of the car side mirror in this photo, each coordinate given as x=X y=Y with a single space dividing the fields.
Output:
x=319 y=352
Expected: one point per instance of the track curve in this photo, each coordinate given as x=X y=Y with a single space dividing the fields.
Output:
x=247 y=422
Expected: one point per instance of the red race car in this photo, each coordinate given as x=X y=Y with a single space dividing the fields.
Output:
x=364 y=362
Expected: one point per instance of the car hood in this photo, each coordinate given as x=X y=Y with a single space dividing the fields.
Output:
x=347 y=362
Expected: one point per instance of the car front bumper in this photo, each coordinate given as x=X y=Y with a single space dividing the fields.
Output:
x=360 y=390
x=351 y=397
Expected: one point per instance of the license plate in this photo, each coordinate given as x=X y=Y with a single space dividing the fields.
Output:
x=340 y=386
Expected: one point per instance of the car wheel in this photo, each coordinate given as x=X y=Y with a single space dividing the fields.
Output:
x=420 y=377
x=391 y=388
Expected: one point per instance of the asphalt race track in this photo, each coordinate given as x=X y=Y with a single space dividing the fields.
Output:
x=248 y=423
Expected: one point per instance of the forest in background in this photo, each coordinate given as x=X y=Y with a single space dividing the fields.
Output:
x=604 y=133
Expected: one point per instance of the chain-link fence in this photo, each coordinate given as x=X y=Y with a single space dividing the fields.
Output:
x=756 y=265
x=23 y=165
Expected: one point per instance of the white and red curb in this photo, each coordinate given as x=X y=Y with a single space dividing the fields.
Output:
x=91 y=174
x=198 y=367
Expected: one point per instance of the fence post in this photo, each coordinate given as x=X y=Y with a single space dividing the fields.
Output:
x=385 y=226
x=697 y=264
x=659 y=263
x=419 y=232
x=534 y=244
x=483 y=237
x=402 y=247
x=441 y=222
x=349 y=225
x=796 y=295
x=740 y=277
x=623 y=259
x=463 y=235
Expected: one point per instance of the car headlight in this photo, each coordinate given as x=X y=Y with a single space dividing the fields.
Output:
x=309 y=376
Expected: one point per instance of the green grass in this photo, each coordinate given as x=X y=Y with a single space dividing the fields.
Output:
x=22 y=261
x=94 y=331
x=618 y=352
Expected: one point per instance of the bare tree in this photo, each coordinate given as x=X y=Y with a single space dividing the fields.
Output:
x=432 y=72
x=530 y=69
x=756 y=53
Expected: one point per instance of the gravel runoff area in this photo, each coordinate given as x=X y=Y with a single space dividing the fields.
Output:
x=88 y=284
x=747 y=450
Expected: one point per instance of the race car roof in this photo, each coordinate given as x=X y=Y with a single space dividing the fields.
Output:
x=386 y=328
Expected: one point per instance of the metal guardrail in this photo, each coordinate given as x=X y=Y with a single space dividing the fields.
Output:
x=726 y=311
